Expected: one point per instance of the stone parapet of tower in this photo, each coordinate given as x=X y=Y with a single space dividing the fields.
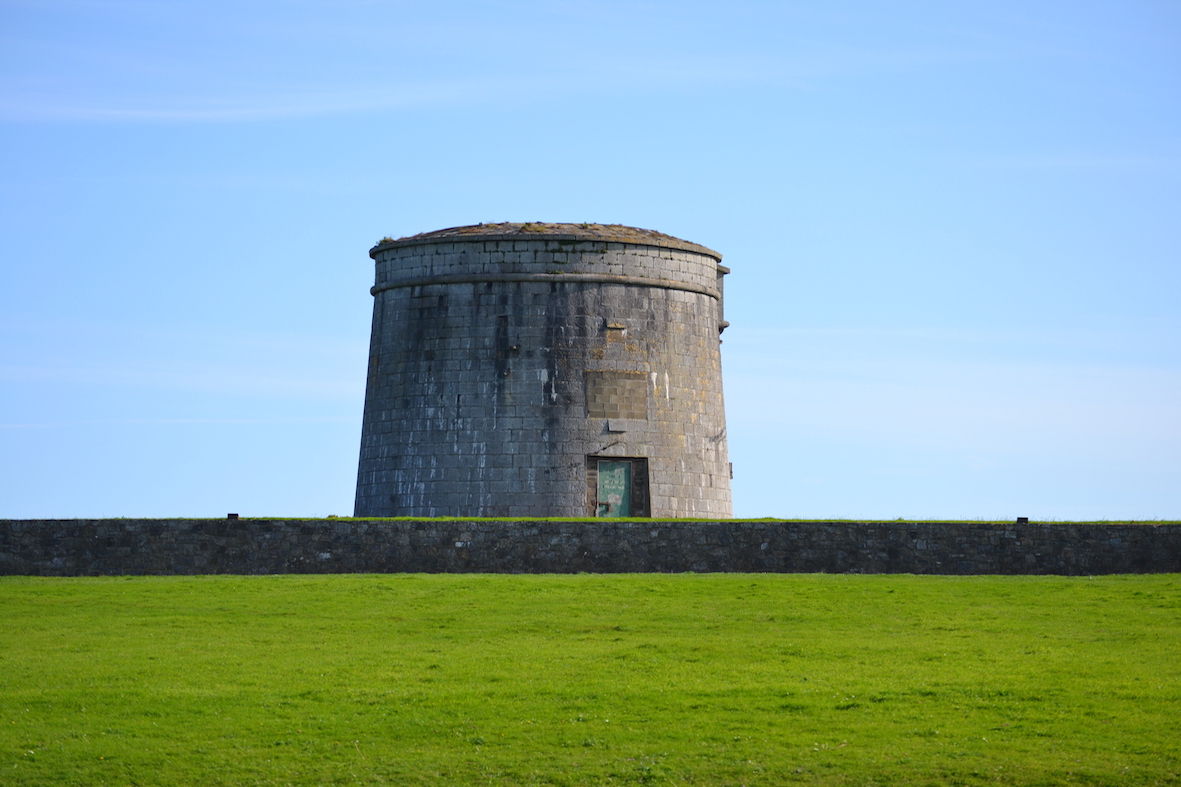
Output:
x=545 y=370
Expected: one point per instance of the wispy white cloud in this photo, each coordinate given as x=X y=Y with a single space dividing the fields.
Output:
x=1085 y=162
x=255 y=65
x=90 y=354
x=274 y=105
x=984 y=408
x=177 y=422
x=575 y=75
x=229 y=377
x=1067 y=393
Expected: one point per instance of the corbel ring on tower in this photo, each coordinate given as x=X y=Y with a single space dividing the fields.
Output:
x=582 y=278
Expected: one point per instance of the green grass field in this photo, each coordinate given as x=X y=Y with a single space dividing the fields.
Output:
x=591 y=679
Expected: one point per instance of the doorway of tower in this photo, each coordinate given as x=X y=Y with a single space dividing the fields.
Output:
x=617 y=486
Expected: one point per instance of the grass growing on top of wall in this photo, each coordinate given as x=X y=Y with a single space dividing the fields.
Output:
x=646 y=520
x=591 y=679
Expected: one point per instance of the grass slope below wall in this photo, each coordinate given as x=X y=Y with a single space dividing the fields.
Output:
x=591 y=679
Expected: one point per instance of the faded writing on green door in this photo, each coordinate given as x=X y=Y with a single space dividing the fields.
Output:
x=615 y=483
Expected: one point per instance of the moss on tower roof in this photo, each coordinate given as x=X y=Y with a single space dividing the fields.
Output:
x=511 y=230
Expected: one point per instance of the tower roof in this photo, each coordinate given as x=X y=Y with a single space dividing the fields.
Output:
x=537 y=230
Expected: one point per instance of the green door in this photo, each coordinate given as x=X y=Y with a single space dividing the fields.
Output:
x=615 y=488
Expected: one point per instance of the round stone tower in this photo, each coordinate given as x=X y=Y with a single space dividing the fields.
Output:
x=545 y=370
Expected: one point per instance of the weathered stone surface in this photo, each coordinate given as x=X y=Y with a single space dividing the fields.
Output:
x=501 y=354
x=84 y=547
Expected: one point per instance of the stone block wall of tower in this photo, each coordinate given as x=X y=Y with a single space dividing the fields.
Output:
x=508 y=361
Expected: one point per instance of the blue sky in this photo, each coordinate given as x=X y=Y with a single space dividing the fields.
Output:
x=953 y=229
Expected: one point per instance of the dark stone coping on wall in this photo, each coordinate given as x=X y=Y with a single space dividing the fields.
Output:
x=577 y=278
x=93 y=547
x=510 y=231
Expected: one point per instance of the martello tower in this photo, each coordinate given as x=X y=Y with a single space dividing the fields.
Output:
x=545 y=370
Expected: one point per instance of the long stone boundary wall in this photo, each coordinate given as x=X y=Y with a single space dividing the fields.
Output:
x=92 y=547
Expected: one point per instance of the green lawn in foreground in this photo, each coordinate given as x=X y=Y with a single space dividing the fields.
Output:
x=591 y=679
